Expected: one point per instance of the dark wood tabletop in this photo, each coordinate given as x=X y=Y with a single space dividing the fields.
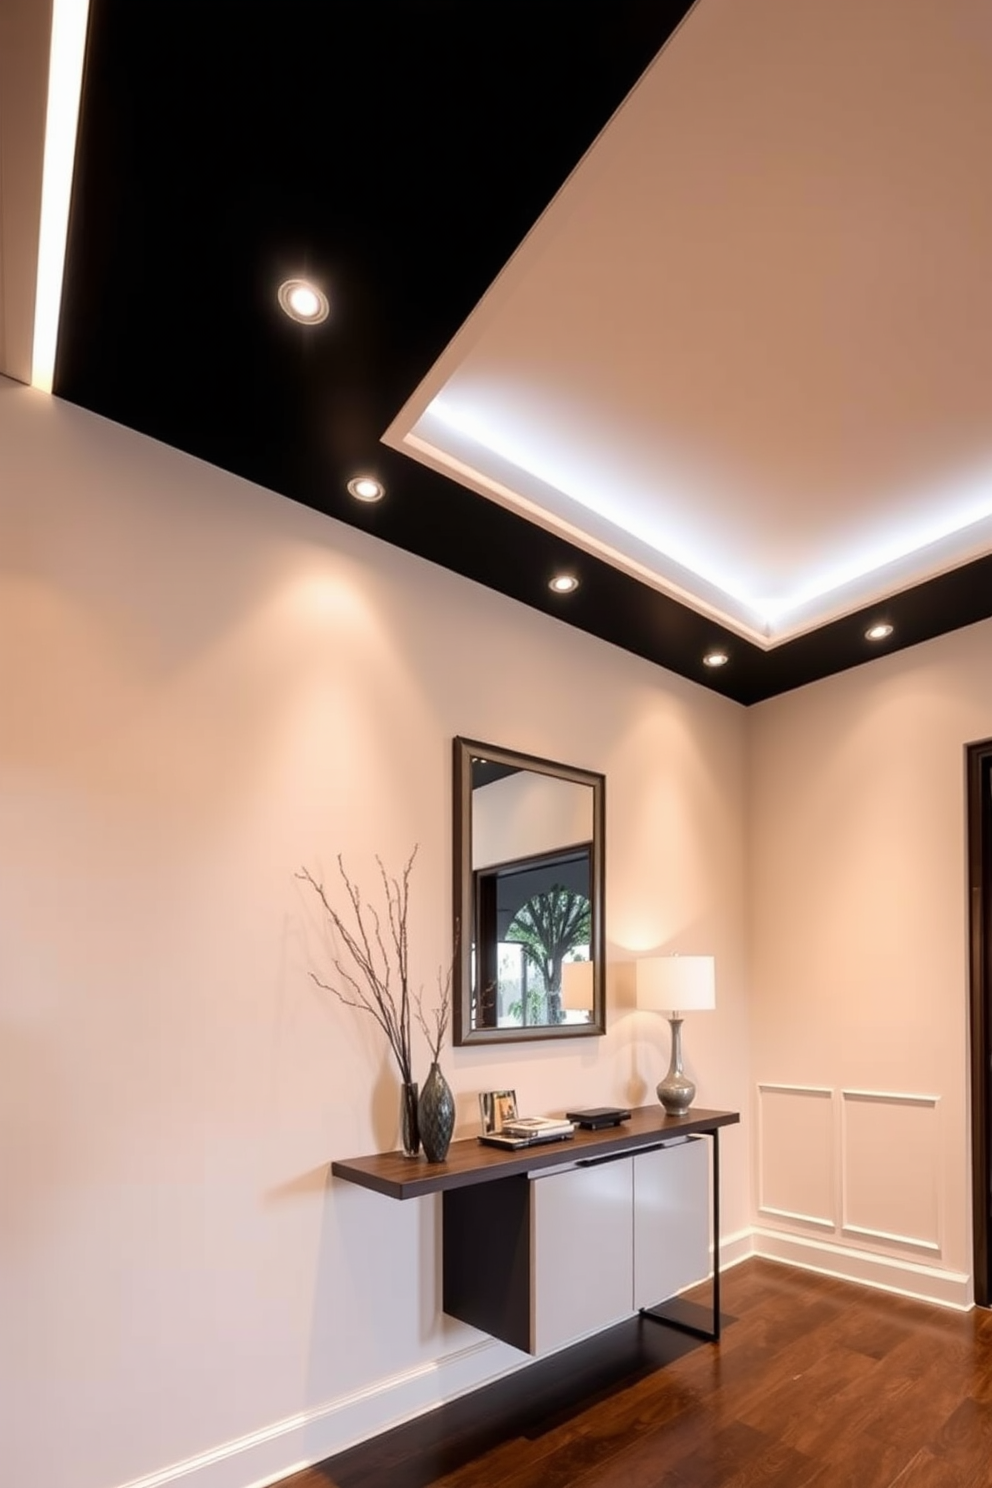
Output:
x=469 y=1161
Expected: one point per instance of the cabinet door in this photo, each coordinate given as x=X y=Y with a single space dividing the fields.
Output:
x=671 y=1220
x=582 y=1251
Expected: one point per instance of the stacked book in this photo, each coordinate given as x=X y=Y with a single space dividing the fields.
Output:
x=528 y=1131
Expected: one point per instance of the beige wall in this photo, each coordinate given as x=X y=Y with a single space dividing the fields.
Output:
x=205 y=686
x=859 y=995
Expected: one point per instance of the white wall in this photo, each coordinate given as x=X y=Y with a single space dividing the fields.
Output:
x=205 y=686
x=859 y=988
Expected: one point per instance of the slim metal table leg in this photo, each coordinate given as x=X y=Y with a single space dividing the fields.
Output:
x=712 y=1335
x=716 y=1234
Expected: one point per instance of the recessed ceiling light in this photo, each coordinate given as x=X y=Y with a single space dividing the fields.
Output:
x=563 y=583
x=878 y=632
x=716 y=658
x=366 y=488
x=303 y=301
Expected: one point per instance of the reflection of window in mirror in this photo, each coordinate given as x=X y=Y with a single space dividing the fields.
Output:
x=534 y=916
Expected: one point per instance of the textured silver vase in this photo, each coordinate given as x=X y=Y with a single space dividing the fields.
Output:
x=436 y=1115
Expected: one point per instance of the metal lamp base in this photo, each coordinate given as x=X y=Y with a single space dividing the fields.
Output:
x=676 y=1091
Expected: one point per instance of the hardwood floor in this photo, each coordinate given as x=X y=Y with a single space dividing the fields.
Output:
x=815 y=1384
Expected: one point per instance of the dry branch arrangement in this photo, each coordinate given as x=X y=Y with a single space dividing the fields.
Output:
x=435 y=1023
x=377 y=979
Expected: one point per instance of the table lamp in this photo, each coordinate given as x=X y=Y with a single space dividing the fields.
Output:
x=577 y=986
x=675 y=985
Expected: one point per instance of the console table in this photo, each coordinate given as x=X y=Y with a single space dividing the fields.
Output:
x=546 y=1243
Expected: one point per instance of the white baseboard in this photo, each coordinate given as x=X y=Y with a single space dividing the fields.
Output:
x=888 y=1273
x=736 y=1248
x=266 y=1456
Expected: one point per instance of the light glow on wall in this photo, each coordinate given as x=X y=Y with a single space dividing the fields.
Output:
x=65 y=76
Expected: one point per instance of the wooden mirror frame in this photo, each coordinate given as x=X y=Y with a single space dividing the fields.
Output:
x=464 y=895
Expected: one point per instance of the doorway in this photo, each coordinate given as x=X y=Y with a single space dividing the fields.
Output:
x=980 y=918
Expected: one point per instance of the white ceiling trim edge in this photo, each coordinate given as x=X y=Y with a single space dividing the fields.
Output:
x=455 y=454
x=589 y=531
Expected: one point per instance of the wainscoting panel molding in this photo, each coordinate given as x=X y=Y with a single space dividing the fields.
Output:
x=796 y=1173
x=891 y=1191
x=849 y=1184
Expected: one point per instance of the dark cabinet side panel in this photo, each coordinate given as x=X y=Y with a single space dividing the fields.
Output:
x=486 y=1258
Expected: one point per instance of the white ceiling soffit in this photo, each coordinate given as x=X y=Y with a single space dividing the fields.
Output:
x=746 y=353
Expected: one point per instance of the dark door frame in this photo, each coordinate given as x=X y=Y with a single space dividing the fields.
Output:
x=980 y=923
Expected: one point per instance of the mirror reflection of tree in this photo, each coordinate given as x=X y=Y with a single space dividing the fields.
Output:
x=548 y=900
x=549 y=926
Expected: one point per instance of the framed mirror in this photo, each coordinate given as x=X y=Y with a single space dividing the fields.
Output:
x=529 y=845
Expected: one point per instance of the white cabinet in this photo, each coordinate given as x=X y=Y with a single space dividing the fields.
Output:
x=613 y=1236
x=671 y=1221
x=582 y=1254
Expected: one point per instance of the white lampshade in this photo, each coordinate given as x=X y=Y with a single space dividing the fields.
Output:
x=577 y=986
x=676 y=984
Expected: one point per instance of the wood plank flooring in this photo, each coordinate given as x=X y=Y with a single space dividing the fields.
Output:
x=815 y=1384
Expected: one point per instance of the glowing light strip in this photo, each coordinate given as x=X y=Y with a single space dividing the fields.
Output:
x=963 y=504
x=913 y=538
x=544 y=467
x=65 y=78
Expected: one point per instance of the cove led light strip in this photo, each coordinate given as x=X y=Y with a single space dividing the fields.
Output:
x=65 y=79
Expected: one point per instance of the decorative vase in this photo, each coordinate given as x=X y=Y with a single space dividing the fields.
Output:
x=409 y=1124
x=676 y=1091
x=436 y=1115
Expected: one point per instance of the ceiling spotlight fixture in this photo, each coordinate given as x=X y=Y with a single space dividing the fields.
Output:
x=366 y=488
x=563 y=583
x=878 y=632
x=303 y=301
x=716 y=658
